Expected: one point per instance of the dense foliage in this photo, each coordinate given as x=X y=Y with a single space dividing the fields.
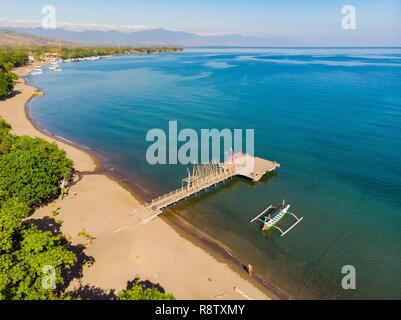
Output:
x=73 y=53
x=8 y=60
x=12 y=58
x=4 y=128
x=138 y=292
x=40 y=53
x=30 y=171
x=7 y=82
x=5 y=137
x=26 y=254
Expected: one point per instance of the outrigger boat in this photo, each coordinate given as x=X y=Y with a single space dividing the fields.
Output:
x=272 y=215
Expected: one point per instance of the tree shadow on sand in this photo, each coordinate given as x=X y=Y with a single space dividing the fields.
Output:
x=85 y=292
x=47 y=224
x=12 y=94
x=89 y=292
x=146 y=284
x=76 y=272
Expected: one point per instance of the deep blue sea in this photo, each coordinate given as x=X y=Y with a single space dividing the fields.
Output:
x=330 y=117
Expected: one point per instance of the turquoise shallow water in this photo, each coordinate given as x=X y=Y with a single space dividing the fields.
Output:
x=330 y=117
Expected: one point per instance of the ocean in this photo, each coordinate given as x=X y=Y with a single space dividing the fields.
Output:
x=330 y=117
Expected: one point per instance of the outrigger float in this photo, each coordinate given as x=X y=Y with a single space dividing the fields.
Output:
x=272 y=215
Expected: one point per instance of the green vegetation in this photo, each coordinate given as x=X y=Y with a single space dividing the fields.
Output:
x=137 y=291
x=86 y=236
x=33 y=262
x=30 y=171
x=27 y=254
x=7 y=82
x=4 y=128
x=74 y=53
x=5 y=137
x=41 y=53
x=8 y=60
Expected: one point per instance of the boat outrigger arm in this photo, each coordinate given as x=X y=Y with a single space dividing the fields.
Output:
x=298 y=220
x=272 y=215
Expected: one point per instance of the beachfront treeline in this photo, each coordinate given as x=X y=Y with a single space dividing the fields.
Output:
x=42 y=53
x=30 y=171
x=9 y=59
x=76 y=53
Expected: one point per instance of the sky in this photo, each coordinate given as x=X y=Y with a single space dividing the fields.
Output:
x=318 y=19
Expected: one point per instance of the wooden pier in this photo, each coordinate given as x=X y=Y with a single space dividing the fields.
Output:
x=208 y=175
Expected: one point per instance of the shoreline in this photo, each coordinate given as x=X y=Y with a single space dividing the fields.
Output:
x=188 y=233
x=220 y=252
x=97 y=162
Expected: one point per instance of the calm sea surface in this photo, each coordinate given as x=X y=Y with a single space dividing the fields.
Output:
x=330 y=117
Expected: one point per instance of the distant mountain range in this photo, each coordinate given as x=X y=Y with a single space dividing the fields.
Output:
x=155 y=37
x=10 y=38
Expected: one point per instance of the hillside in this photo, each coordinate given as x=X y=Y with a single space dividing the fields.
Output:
x=153 y=37
x=18 y=39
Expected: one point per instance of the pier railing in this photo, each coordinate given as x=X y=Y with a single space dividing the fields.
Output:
x=196 y=186
x=207 y=175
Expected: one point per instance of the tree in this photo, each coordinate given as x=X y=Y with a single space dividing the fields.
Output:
x=137 y=291
x=8 y=60
x=5 y=137
x=26 y=253
x=11 y=214
x=32 y=169
x=5 y=128
x=7 y=82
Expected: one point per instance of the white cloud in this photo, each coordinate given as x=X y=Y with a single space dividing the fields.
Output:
x=73 y=26
x=19 y=23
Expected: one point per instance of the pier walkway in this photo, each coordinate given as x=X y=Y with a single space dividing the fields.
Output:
x=208 y=175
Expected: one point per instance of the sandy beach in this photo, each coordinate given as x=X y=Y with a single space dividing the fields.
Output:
x=123 y=248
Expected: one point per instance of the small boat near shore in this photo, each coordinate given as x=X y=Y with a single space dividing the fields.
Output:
x=272 y=215
x=54 y=66
x=37 y=71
